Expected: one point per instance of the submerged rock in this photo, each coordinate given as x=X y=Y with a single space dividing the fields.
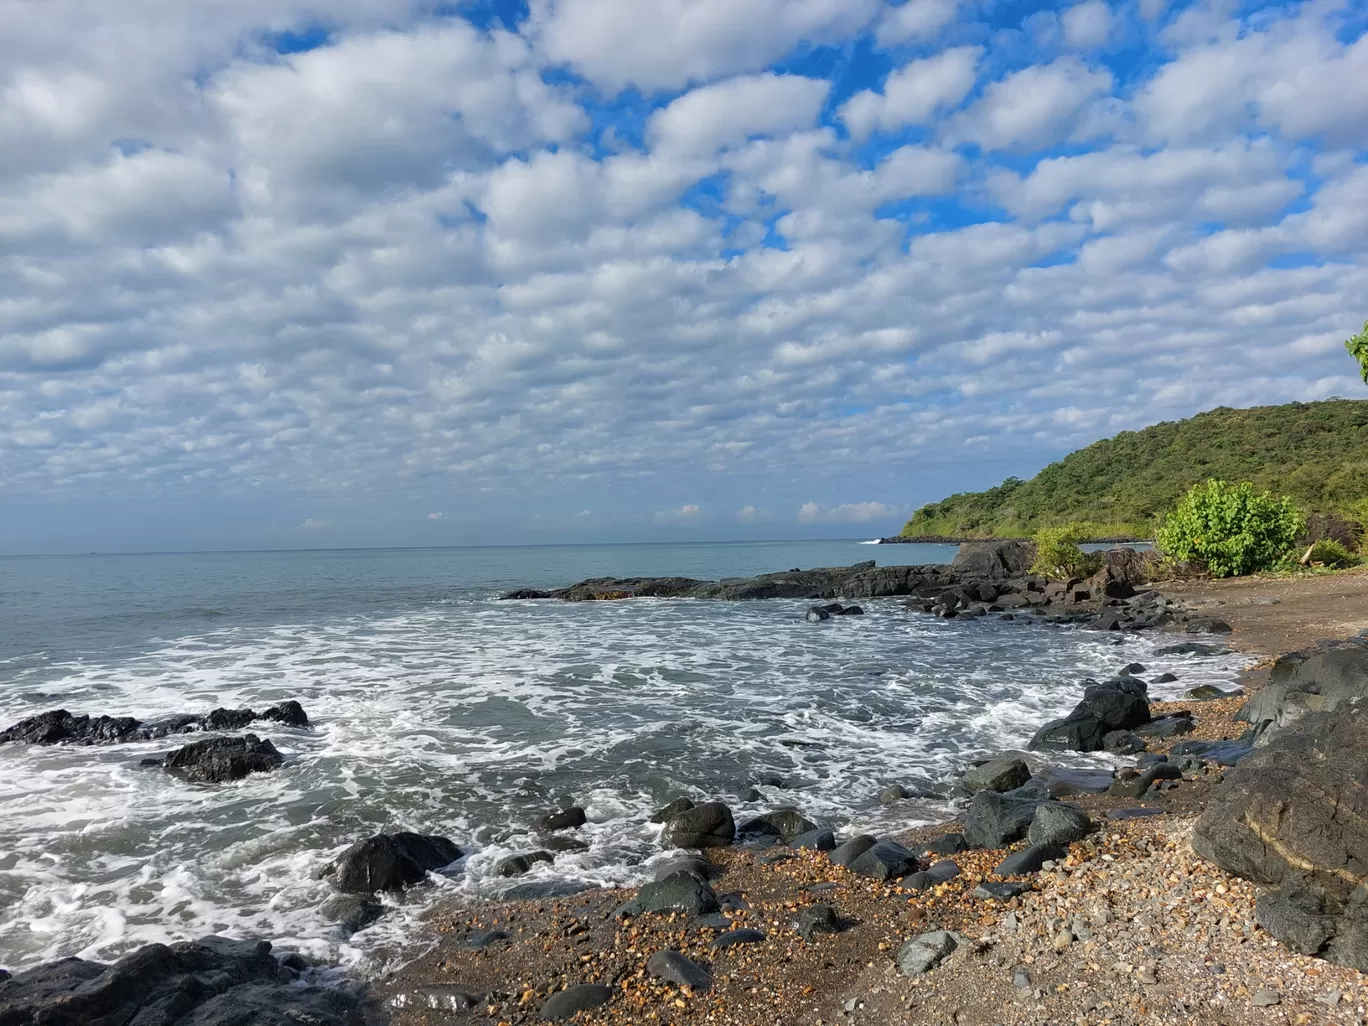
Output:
x=1119 y=704
x=389 y=862
x=61 y=727
x=218 y=760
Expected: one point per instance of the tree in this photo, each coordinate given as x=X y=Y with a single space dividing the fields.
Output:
x=1358 y=349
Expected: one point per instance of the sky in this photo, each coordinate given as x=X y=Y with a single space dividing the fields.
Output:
x=286 y=274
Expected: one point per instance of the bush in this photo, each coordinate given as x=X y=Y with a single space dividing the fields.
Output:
x=1058 y=554
x=1230 y=529
x=1328 y=552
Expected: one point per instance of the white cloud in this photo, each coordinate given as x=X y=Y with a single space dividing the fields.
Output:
x=684 y=514
x=845 y=513
x=1088 y=25
x=1033 y=108
x=436 y=516
x=914 y=20
x=915 y=93
x=707 y=119
x=751 y=515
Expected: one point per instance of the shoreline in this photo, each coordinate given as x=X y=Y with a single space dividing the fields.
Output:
x=1138 y=957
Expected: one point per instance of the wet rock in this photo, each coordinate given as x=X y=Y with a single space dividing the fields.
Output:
x=922 y=954
x=995 y=820
x=1030 y=860
x=1058 y=823
x=1120 y=704
x=996 y=560
x=677 y=968
x=1127 y=786
x=1223 y=753
x=517 y=865
x=938 y=873
x=209 y=982
x=483 y=939
x=679 y=892
x=61 y=727
x=893 y=794
x=816 y=840
x=1193 y=648
x=567 y=819
x=1165 y=678
x=817 y=919
x=998 y=775
x=1061 y=781
x=1319 y=679
x=1132 y=669
x=673 y=809
x=1173 y=725
x=218 y=760
x=564 y=844
x=389 y=862
x=580 y=997
x=734 y=938
x=816 y=614
x=885 y=860
x=352 y=912
x=947 y=844
x=1210 y=693
x=845 y=854
x=1123 y=742
x=709 y=825
x=698 y=866
x=785 y=824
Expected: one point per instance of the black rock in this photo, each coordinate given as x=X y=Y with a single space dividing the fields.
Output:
x=218 y=760
x=1132 y=669
x=542 y=890
x=290 y=713
x=389 y=862
x=1030 y=860
x=1207 y=625
x=847 y=853
x=1194 y=648
x=483 y=939
x=580 y=997
x=938 y=873
x=1318 y=679
x=1058 y=823
x=817 y=919
x=1165 y=678
x=996 y=560
x=1168 y=726
x=995 y=820
x=1123 y=742
x=816 y=840
x=997 y=775
x=1061 y=781
x=698 y=866
x=517 y=865
x=885 y=860
x=352 y=912
x=732 y=938
x=709 y=825
x=785 y=824
x=1120 y=704
x=1135 y=786
x=680 y=892
x=816 y=614
x=567 y=819
x=999 y=890
x=677 y=968
x=670 y=811
x=1211 y=693
x=556 y=843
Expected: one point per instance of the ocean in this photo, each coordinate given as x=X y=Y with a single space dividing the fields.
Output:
x=439 y=709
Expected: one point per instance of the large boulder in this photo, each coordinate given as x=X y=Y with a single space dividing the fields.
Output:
x=681 y=891
x=785 y=824
x=389 y=862
x=995 y=821
x=997 y=775
x=1293 y=816
x=218 y=760
x=209 y=982
x=1317 y=679
x=1118 y=704
x=709 y=825
x=995 y=559
x=885 y=860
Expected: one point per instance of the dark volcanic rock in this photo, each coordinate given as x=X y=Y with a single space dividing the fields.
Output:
x=677 y=968
x=672 y=810
x=210 y=982
x=352 y=912
x=817 y=840
x=995 y=820
x=816 y=614
x=1128 y=786
x=847 y=853
x=885 y=860
x=1030 y=860
x=997 y=775
x=389 y=862
x=517 y=865
x=1120 y=704
x=817 y=919
x=61 y=727
x=947 y=844
x=578 y=998
x=290 y=713
x=939 y=873
x=679 y=892
x=567 y=819
x=709 y=825
x=1061 y=781
x=1318 y=679
x=994 y=560
x=1123 y=742
x=999 y=890
x=733 y=938
x=217 y=760
x=1167 y=726
x=1058 y=823
x=699 y=867
x=1293 y=816
x=785 y=824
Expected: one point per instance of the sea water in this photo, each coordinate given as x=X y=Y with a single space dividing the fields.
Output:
x=439 y=709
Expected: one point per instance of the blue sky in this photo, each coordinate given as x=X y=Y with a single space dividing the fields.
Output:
x=368 y=273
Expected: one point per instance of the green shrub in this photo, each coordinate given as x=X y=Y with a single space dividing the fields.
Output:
x=1230 y=529
x=1328 y=552
x=1058 y=554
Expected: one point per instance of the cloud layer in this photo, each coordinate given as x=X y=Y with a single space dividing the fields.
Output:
x=660 y=259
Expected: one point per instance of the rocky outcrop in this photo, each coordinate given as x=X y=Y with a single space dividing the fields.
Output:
x=218 y=760
x=1118 y=704
x=1317 y=679
x=994 y=560
x=61 y=727
x=389 y=862
x=709 y=825
x=1293 y=816
x=209 y=982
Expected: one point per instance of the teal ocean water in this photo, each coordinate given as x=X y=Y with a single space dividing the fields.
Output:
x=438 y=708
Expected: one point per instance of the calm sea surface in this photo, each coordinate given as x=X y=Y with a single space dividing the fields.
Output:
x=439 y=709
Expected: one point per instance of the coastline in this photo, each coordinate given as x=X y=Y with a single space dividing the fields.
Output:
x=1131 y=927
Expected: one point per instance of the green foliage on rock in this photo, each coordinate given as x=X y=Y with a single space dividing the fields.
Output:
x=1058 y=554
x=1231 y=529
x=1330 y=553
x=1316 y=453
x=1358 y=349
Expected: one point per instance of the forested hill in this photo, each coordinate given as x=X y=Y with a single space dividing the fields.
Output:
x=1315 y=452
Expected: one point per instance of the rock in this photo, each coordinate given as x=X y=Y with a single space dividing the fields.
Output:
x=1030 y=860
x=1265 y=998
x=209 y=982
x=817 y=840
x=997 y=775
x=484 y=939
x=1131 y=669
x=733 y=938
x=999 y=890
x=1168 y=726
x=61 y=727
x=218 y=760
x=939 y=873
x=1207 y=625
x=1165 y=678
x=785 y=824
x=1058 y=823
x=1193 y=648
x=709 y=825
x=290 y=713
x=556 y=843
x=580 y=997
x=885 y=860
x=712 y=921
x=679 y=892
x=567 y=819
x=1120 y=704
x=995 y=821
x=1293 y=817
x=922 y=954
x=1224 y=753
x=389 y=862
x=994 y=560
x=1210 y=693
x=677 y=968
x=517 y=865
x=670 y=811
x=1318 y=679
x=1122 y=742
x=698 y=866
x=352 y=912
x=816 y=614
x=847 y=853
x=947 y=844
x=1061 y=781
x=893 y=794
x=817 y=919
x=1135 y=786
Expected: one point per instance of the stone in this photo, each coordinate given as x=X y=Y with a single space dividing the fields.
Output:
x=1210 y=693
x=1030 y=860
x=1056 y=823
x=556 y=843
x=995 y=821
x=695 y=864
x=679 y=892
x=816 y=840
x=817 y=919
x=61 y=727
x=672 y=810
x=947 y=844
x=734 y=938
x=1207 y=625
x=677 y=968
x=517 y=865
x=1265 y=998
x=785 y=824
x=709 y=825
x=1167 y=726
x=1135 y=786
x=389 y=862
x=997 y=775
x=893 y=794
x=1123 y=742
x=995 y=560
x=1318 y=679
x=847 y=853
x=484 y=939
x=1132 y=669
x=218 y=760
x=999 y=890
x=289 y=713
x=1193 y=648
x=580 y=997
x=938 y=873
x=1165 y=678
x=567 y=819
x=352 y=912
x=885 y=860
x=1119 y=704
x=816 y=614
x=1062 y=781
x=922 y=954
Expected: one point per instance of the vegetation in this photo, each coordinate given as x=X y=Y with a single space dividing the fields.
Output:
x=1358 y=349
x=1315 y=453
x=1231 y=529
x=1058 y=554
x=1329 y=553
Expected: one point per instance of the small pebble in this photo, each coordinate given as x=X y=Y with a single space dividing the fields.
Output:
x=1264 y=998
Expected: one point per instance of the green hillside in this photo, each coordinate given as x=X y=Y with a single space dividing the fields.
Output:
x=1315 y=452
